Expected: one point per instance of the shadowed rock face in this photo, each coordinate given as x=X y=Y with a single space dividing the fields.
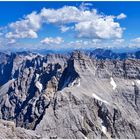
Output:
x=76 y=96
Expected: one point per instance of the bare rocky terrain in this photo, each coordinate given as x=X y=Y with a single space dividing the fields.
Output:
x=8 y=130
x=80 y=95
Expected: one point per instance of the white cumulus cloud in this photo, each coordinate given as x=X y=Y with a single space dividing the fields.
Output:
x=88 y=23
x=136 y=40
x=134 y=43
x=84 y=22
x=103 y=28
x=25 y=28
x=64 y=28
x=24 y=34
x=121 y=16
x=50 y=40
x=12 y=41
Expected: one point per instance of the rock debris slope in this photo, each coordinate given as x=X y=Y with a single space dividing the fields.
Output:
x=9 y=131
x=71 y=96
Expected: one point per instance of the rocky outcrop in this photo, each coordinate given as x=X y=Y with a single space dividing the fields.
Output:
x=8 y=130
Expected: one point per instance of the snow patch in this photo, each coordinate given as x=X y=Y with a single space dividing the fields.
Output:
x=133 y=83
x=76 y=82
x=13 y=80
x=39 y=86
x=112 y=82
x=73 y=83
x=82 y=118
x=37 y=76
x=78 y=85
x=98 y=98
x=103 y=128
x=138 y=81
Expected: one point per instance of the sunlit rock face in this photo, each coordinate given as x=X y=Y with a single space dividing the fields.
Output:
x=80 y=95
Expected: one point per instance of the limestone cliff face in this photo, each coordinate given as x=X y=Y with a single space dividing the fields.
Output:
x=73 y=96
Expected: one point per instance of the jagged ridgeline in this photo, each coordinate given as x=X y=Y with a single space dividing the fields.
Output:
x=78 y=95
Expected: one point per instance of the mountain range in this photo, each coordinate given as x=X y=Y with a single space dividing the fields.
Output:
x=73 y=95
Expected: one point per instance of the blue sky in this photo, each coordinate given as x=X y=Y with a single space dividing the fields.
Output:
x=75 y=25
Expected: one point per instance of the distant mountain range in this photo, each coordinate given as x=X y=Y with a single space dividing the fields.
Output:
x=109 y=54
x=95 y=53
